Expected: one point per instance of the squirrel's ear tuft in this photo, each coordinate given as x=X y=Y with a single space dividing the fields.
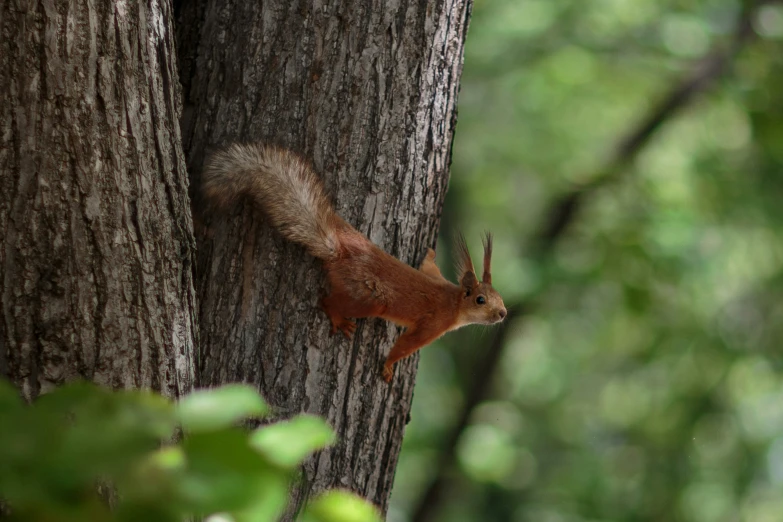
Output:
x=487 y=276
x=462 y=257
x=465 y=270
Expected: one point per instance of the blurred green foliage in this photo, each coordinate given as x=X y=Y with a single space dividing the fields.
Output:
x=647 y=383
x=80 y=449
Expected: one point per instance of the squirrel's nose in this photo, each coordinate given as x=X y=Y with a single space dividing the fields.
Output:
x=502 y=314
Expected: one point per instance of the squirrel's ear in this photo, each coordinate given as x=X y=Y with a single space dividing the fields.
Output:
x=468 y=282
x=487 y=276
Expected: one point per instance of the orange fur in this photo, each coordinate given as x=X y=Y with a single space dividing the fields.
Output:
x=364 y=280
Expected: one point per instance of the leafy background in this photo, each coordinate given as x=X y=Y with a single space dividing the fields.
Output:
x=639 y=377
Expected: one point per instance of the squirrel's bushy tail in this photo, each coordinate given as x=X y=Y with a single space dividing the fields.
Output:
x=283 y=185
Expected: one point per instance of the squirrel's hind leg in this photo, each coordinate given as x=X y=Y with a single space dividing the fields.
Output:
x=331 y=306
x=340 y=304
x=429 y=267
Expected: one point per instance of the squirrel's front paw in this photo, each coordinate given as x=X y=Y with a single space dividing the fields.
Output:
x=388 y=372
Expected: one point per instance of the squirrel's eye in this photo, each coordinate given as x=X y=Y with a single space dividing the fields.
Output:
x=480 y=300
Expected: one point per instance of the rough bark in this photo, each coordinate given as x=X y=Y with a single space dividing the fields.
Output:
x=95 y=229
x=367 y=92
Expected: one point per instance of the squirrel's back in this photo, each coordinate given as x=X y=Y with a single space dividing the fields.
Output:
x=284 y=186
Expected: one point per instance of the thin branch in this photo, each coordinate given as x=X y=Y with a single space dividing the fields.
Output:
x=561 y=215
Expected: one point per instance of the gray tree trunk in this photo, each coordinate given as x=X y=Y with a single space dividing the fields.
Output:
x=96 y=235
x=366 y=90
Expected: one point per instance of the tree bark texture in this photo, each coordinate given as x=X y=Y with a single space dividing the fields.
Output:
x=366 y=91
x=96 y=235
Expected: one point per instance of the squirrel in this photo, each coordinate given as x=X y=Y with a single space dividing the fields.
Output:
x=364 y=281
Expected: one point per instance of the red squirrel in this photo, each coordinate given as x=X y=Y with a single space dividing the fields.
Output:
x=364 y=280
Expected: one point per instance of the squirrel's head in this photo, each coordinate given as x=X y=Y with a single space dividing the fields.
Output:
x=480 y=302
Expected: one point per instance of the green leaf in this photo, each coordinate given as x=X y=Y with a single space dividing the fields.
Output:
x=223 y=472
x=108 y=432
x=287 y=443
x=159 y=511
x=167 y=458
x=63 y=400
x=341 y=506
x=217 y=408
x=269 y=502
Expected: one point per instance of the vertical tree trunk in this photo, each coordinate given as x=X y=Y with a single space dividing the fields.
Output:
x=95 y=230
x=367 y=92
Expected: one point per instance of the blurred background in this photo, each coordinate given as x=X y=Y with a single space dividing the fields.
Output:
x=628 y=156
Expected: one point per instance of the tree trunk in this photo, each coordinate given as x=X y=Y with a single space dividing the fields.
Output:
x=95 y=230
x=366 y=91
